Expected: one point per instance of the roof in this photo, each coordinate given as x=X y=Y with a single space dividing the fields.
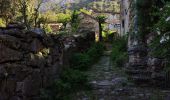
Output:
x=88 y=16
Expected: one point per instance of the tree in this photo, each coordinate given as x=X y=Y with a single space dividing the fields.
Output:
x=162 y=41
x=5 y=11
x=101 y=19
x=36 y=12
x=24 y=10
x=75 y=20
x=63 y=18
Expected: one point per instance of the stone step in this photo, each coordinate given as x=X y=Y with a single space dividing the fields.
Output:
x=142 y=79
x=138 y=65
x=137 y=68
x=133 y=71
x=107 y=53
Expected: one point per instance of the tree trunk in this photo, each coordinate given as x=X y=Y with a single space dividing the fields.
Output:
x=100 y=32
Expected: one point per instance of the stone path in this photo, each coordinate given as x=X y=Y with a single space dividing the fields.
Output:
x=110 y=83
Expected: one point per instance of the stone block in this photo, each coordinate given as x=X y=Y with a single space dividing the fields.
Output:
x=7 y=54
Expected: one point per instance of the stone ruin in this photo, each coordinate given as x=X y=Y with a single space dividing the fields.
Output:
x=31 y=60
x=142 y=67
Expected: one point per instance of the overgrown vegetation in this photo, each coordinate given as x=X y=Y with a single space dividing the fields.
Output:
x=69 y=83
x=2 y=23
x=161 y=43
x=75 y=20
x=119 y=52
x=74 y=78
x=82 y=61
x=101 y=19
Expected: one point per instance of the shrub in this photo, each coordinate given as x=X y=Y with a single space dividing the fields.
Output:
x=73 y=79
x=2 y=23
x=120 y=44
x=69 y=82
x=48 y=29
x=121 y=60
x=95 y=51
x=80 y=61
x=76 y=78
x=115 y=53
x=119 y=53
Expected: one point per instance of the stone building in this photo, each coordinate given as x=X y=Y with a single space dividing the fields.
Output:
x=113 y=22
x=124 y=12
x=88 y=22
x=141 y=67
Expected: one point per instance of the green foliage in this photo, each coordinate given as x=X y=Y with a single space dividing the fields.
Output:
x=47 y=29
x=75 y=20
x=82 y=61
x=121 y=59
x=95 y=52
x=69 y=82
x=101 y=18
x=49 y=16
x=144 y=19
x=163 y=28
x=119 y=53
x=105 y=6
x=2 y=23
x=161 y=44
x=63 y=33
x=74 y=78
x=63 y=18
x=85 y=11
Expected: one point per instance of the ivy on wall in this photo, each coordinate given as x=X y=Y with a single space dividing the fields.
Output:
x=144 y=18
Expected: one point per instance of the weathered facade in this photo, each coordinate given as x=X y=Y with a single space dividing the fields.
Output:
x=124 y=13
x=31 y=60
x=141 y=67
x=88 y=22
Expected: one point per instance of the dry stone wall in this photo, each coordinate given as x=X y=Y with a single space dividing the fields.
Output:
x=142 y=67
x=31 y=60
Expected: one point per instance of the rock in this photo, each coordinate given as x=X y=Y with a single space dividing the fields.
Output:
x=2 y=97
x=9 y=55
x=15 y=32
x=36 y=60
x=36 y=46
x=20 y=87
x=19 y=71
x=15 y=25
x=104 y=83
x=15 y=98
x=11 y=83
x=32 y=60
x=38 y=32
x=10 y=41
x=119 y=81
x=3 y=73
x=32 y=83
x=1 y=32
